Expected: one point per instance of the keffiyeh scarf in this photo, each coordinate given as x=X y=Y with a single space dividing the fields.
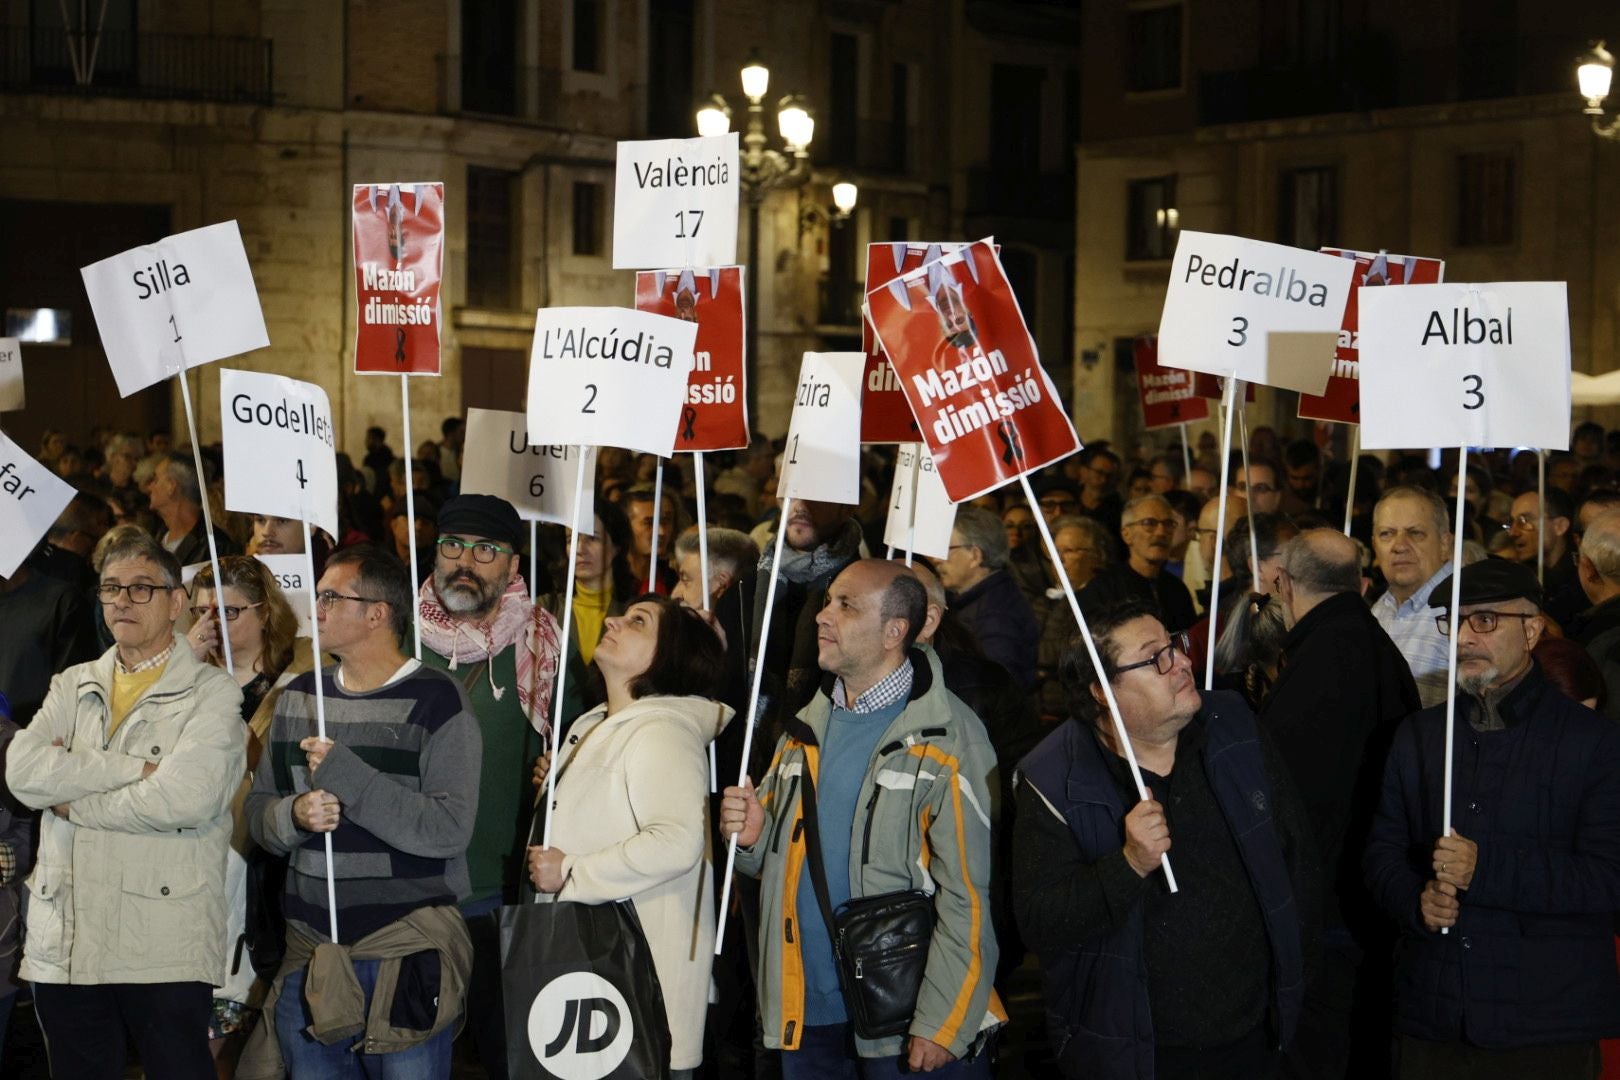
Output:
x=514 y=616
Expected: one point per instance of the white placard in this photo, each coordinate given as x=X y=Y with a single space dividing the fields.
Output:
x=936 y=514
x=1465 y=365
x=32 y=497
x=184 y=301
x=498 y=459
x=279 y=447
x=11 y=374
x=675 y=203
x=1229 y=298
x=608 y=376
x=290 y=572
x=822 y=461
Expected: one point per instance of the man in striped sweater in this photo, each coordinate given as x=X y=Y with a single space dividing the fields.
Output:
x=396 y=786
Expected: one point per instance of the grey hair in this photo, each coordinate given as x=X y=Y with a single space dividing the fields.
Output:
x=1435 y=504
x=1601 y=545
x=1142 y=500
x=184 y=474
x=905 y=598
x=982 y=529
x=728 y=548
x=134 y=543
x=1323 y=561
x=1096 y=535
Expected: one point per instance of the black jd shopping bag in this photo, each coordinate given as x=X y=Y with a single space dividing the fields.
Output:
x=582 y=998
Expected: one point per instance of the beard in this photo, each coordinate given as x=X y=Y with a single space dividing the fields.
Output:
x=463 y=593
x=1475 y=683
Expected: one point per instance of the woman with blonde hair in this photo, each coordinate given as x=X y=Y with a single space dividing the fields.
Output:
x=266 y=653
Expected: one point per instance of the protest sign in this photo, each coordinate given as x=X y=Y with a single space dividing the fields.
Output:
x=1210 y=386
x=968 y=366
x=32 y=497
x=675 y=203
x=292 y=573
x=1465 y=365
x=538 y=480
x=11 y=374
x=922 y=527
x=1341 y=401
x=398 y=263
x=885 y=413
x=608 y=376
x=184 y=301
x=1237 y=306
x=715 y=413
x=822 y=461
x=1169 y=396
x=279 y=447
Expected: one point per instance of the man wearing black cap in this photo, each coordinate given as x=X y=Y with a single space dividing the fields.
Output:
x=1523 y=983
x=478 y=625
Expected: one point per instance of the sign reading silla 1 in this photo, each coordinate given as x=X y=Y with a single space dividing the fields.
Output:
x=398 y=263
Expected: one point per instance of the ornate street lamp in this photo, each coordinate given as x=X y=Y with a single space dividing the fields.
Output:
x=1594 y=73
x=763 y=170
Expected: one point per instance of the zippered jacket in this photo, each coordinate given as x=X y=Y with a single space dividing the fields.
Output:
x=130 y=888
x=922 y=821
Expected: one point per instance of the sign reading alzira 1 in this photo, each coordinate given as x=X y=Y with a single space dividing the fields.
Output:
x=398 y=261
x=715 y=416
x=965 y=358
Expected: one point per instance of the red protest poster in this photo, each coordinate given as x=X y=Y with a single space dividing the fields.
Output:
x=1210 y=386
x=1168 y=394
x=715 y=416
x=398 y=261
x=953 y=331
x=885 y=416
x=1341 y=401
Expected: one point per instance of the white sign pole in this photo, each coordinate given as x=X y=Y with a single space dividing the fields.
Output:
x=1121 y=736
x=1186 y=457
x=1355 y=464
x=657 y=512
x=753 y=715
x=410 y=510
x=208 y=517
x=1220 y=535
x=703 y=582
x=1248 y=500
x=1541 y=514
x=911 y=519
x=320 y=715
x=562 y=665
x=1451 y=643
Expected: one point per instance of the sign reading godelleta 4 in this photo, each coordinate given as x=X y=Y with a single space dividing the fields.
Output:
x=1266 y=313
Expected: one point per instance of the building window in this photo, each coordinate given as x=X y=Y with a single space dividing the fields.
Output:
x=1308 y=207
x=899 y=229
x=1153 y=219
x=587 y=218
x=1153 y=48
x=671 y=30
x=588 y=35
x=1015 y=123
x=843 y=100
x=840 y=289
x=490 y=227
x=1487 y=199
x=489 y=55
x=900 y=110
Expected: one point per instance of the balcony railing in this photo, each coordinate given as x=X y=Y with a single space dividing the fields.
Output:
x=186 y=66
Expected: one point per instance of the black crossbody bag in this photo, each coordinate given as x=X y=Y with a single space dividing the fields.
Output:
x=880 y=943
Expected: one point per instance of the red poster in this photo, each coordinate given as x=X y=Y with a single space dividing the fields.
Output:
x=885 y=416
x=715 y=416
x=1210 y=387
x=967 y=364
x=398 y=261
x=1341 y=401
x=1168 y=394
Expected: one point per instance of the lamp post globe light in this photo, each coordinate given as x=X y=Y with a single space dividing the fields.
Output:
x=1594 y=74
x=764 y=169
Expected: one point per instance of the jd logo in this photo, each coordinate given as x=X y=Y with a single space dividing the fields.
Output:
x=580 y=1027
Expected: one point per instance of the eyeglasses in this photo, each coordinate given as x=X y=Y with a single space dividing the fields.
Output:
x=483 y=551
x=1161 y=661
x=327 y=598
x=1058 y=504
x=232 y=611
x=139 y=593
x=1258 y=489
x=1522 y=521
x=1153 y=524
x=1480 y=622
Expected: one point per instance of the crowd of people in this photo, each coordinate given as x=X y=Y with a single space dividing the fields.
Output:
x=188 y=864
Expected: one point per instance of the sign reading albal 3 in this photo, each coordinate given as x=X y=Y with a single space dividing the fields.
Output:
x=1228 y=296
x=1465 y=365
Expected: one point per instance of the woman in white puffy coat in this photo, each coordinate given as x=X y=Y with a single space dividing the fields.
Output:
x=631 y=804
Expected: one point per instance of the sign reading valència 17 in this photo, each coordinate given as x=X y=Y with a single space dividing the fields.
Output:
x=675 y=203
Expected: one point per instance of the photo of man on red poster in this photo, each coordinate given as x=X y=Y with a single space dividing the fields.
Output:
x=715 y=416
x=1341 y=401
x=885 y=416
x=968 y=366
x=398 y=263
